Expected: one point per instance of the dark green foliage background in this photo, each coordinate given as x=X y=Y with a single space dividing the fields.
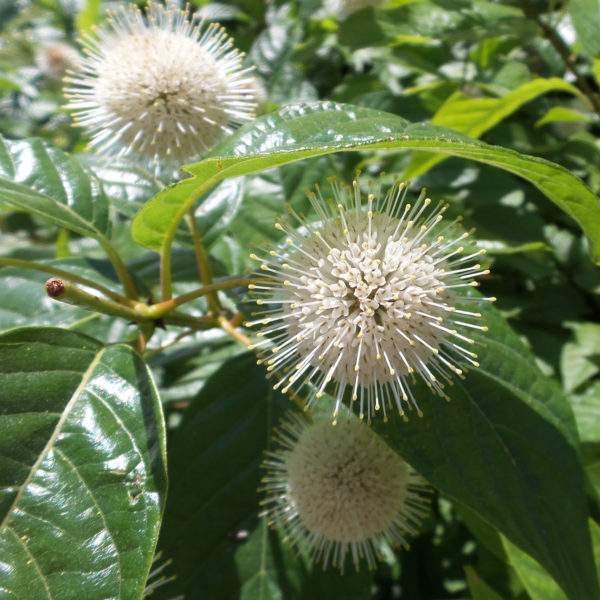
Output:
x=493 y=106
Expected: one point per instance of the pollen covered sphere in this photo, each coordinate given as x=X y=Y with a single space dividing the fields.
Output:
x=160 y=87
x=367 y=298
x=341 y=489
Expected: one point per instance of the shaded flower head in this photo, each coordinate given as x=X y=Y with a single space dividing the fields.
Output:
x=160 y=86
x=340 y=489
x=55 y=58
x=366 y=299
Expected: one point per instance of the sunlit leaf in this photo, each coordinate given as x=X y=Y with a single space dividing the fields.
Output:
x=475 y=116
x=299 y=132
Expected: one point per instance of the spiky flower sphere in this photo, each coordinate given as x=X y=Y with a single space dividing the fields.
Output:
x=160 y=87
x=367 y=298
x=340 y=489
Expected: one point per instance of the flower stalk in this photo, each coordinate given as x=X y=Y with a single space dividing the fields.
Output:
x=52 y=270
x=64 y=291
x=203 y=263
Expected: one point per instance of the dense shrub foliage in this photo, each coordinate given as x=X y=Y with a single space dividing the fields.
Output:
x=172 y=301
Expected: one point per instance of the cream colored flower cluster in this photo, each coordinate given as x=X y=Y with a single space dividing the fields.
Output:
x=340 y=491
x=159 y=87
x=364 y=300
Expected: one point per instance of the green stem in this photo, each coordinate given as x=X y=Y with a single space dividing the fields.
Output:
x=565 y=53
x=65 y=291
x=146 y=329
x=203 y=264
x=121 y=270
x=152 y=353
x=165 y=274
x=162 y=308
x=196 y=323
x=165 y=252
x=51 y=270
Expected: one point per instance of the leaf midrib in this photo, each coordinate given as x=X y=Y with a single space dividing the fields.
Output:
x=28 y=191
x=52 y=439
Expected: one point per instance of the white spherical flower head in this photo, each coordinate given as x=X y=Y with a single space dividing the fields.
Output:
x=159 y=87
x=339 y=489
x=366 y=299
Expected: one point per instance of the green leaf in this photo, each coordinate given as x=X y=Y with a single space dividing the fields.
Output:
x=586 y=16
x=562 y=113
x=596 y=69
x=216 y=212
x=475 y=116
x=82 y=464
x=537 y=582
x=299 y=132
x=586 y=407
x=479 y=589
x=127 y=187
x=580 y=360
x=24 y=302
x=505 y=447
x=89 y=16
x=463 y=20
x=214 y=459
x=45 y=181
x=214 y=468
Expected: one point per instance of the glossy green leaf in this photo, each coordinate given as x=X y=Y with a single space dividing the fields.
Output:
x=489 y=450
x=299 y=132
x=82 y=457
x=45 y=181
x=475 y=116
x=536 y=580
x=213 y=503
x=215 y=214
x=127 y=187
x=586 y=16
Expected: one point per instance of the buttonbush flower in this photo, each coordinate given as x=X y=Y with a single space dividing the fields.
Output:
x=160 y=87
x=55 y=58
x=340 y=489
x=367 y=298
